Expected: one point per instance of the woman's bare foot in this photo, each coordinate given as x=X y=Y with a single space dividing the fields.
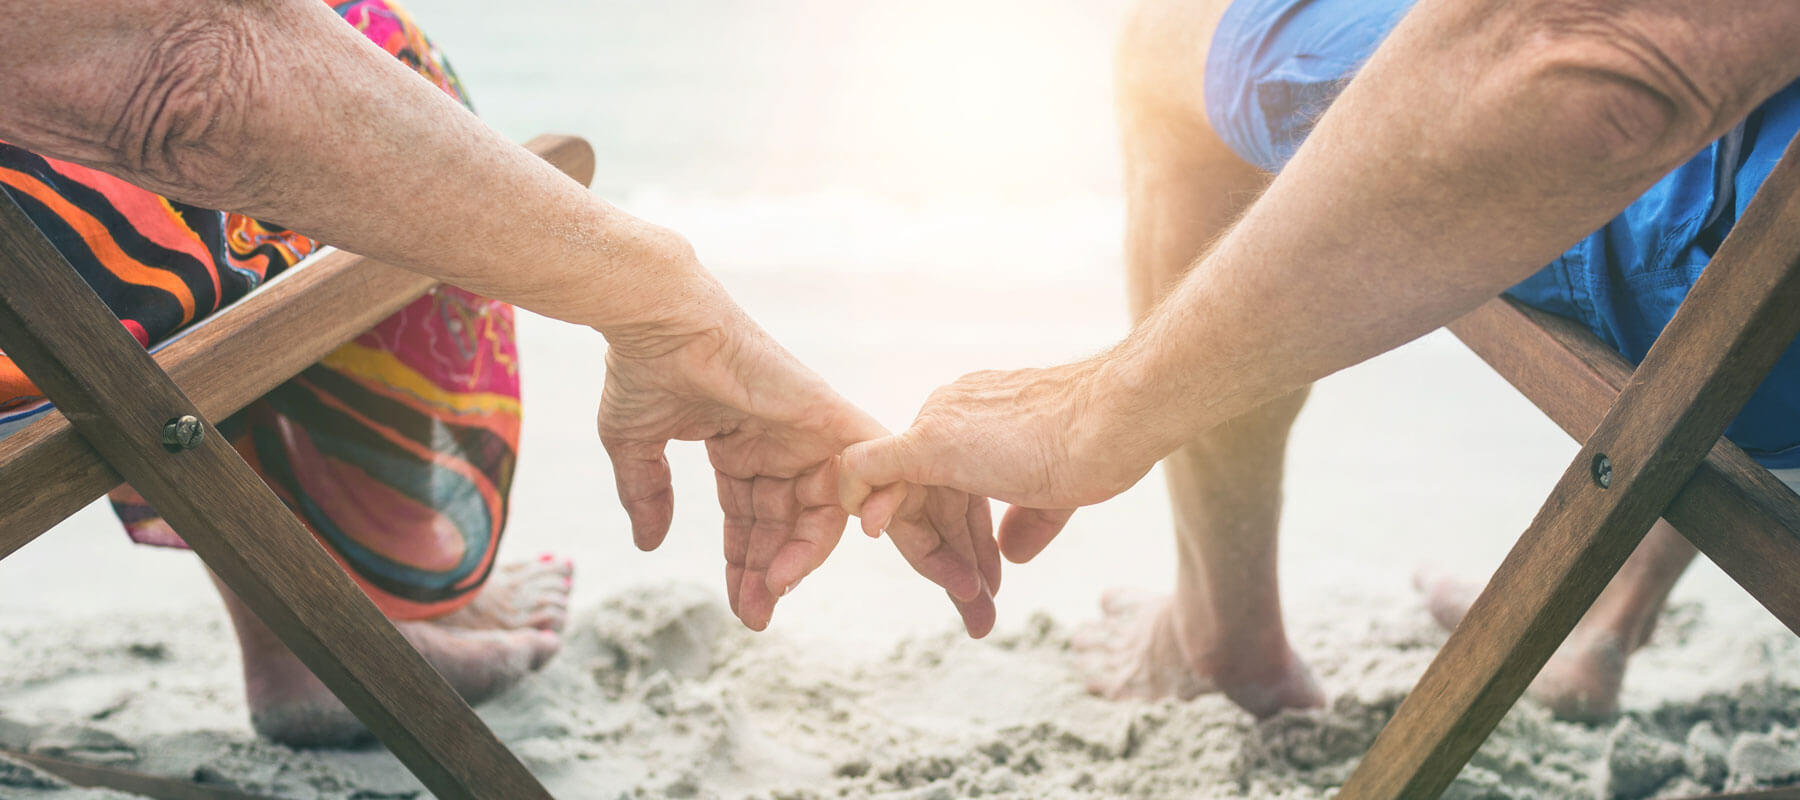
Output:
x=1580 y=682
x=523 y=594
x=510 y=630
x=1144 y=649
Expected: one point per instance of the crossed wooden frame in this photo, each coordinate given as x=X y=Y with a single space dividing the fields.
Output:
x=1651 y=448
x=127 y=417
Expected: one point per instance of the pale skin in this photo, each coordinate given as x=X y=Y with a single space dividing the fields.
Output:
x=1481 y=140
x=277 y=109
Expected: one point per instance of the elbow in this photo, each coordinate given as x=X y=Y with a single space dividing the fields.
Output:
x=1617 y=106
x=181 y=126
x=1610 y=119
x=1617 y=125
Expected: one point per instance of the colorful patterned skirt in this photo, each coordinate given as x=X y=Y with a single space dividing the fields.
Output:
x=397 y=449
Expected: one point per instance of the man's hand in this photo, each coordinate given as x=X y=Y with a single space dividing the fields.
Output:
x=773 y=430
x=1040 y=439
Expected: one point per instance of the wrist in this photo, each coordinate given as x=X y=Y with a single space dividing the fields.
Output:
x=1129 y=408
x=672 y=300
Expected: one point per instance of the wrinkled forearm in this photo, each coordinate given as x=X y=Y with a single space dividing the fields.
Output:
x=1480 y=141
x=277 y=109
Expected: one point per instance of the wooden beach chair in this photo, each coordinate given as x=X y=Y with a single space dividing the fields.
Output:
x=1652 y=448
x=129 y=417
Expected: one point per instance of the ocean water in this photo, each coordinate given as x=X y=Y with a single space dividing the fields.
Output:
x=871 y=136
x=910 y=101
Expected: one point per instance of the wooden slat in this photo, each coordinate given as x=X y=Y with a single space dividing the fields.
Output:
x=1732 y=509
x=62 y=336
x=247 y=350
x=1738 y=319
x=94 y=775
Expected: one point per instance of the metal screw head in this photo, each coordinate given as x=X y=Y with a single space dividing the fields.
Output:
x=182 y=433
x=1602 y=470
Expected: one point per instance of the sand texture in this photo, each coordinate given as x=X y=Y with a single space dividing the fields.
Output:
x=660 y=694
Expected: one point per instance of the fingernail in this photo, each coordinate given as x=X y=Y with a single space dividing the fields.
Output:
x=790 y=588
x=568 y=582
x=546 y=558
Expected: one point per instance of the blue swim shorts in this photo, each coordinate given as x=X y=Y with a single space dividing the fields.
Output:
x=1275 y=65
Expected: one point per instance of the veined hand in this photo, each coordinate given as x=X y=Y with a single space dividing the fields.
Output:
x=773 y=431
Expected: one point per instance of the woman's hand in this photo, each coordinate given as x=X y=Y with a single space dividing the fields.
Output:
x=773 y=430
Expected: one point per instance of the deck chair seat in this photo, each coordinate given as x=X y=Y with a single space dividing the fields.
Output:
x=115 y=399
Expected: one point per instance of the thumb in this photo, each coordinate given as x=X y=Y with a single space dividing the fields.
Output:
x=871 y=465
x=645 y=489
x=1025 y=532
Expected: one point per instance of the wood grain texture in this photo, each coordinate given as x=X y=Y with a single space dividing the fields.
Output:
x=245 y=351
x=1738 y=319
x=58 y=331
x=117 y=399
x=1733 y=510
x=95 y=775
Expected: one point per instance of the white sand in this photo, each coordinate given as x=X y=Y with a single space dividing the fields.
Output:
x=661 y=695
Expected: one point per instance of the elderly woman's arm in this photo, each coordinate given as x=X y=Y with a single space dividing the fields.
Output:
x=278 y=110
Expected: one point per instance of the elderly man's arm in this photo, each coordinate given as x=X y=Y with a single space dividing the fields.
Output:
x=279 y=110
x=1482 y=139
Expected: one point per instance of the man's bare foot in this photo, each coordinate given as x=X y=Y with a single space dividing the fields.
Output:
x=1142 y=650
x=1579 y=683
x=510 y=630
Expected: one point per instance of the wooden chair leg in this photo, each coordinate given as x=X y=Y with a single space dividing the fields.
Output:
x=63 y=337
x=1735 y=324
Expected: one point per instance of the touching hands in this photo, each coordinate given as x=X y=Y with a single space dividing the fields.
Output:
x=1042 y=440
x=773 y=431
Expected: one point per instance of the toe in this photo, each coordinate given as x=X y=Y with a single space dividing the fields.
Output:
x=552 y=615
x=1091 y=637
x=1120 y=602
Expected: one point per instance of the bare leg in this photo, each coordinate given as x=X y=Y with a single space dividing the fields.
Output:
x=1223 y=628
x=1581 y=682
x=510 y=629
